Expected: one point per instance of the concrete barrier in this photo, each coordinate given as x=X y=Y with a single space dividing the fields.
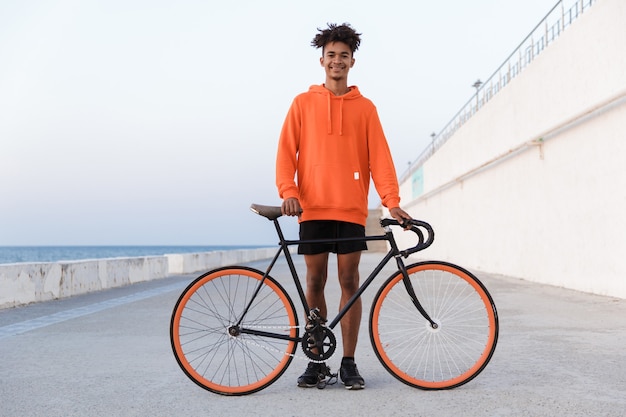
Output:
x=26 y=283
x=185 y=263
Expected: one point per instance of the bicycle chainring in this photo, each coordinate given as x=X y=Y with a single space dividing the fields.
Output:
x=319 y=343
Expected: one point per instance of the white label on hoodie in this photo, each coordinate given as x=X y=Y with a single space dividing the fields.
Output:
x=356 y=175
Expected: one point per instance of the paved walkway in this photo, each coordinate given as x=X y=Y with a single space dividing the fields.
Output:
x=560 y=353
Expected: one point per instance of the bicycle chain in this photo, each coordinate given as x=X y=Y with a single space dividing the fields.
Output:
x=293 y=355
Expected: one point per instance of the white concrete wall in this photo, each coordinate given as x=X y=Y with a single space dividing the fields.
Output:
x=552 y=213
x=25 y=283
x=193 y=262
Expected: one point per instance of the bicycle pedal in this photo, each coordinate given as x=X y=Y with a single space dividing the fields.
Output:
x=329 y=379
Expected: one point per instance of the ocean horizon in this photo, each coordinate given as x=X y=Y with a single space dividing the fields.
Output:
x=31 y=254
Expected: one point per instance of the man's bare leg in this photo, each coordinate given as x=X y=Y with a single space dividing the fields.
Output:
x=348 y=269
x=316 y=276
x=348 y=265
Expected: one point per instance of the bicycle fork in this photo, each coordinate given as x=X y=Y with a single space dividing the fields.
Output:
x=411 y=291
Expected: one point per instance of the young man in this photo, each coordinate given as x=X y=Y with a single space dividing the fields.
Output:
x=333 y=141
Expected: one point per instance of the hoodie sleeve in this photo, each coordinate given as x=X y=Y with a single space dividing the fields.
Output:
x=287 y=155
x=381 y=163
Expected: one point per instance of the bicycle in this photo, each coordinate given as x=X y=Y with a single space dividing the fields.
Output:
x=433 y=325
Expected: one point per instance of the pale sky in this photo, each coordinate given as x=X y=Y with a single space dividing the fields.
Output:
x=148 y=122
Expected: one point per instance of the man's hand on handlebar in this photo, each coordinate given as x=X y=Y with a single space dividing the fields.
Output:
x=401 y=216
x=291 y=207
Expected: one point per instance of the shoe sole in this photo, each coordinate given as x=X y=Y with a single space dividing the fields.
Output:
x=354 y=387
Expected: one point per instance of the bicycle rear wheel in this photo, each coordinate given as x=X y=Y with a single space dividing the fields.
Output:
x=226 y=363
x=451 y=354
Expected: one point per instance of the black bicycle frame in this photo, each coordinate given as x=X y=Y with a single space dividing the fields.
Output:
x=394 y=252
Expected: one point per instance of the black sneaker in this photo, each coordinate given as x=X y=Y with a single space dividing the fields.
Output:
x=350 y=376
x=314 y=374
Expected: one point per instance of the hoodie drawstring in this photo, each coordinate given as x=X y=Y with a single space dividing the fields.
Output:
x=330 y=122
x=341 y=117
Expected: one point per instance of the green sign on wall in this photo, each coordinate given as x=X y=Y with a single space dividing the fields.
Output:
x=417 y=182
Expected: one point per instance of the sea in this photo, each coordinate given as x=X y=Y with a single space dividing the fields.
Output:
x=30 y=254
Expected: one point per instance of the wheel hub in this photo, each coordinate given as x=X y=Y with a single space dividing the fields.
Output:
x=234 y=331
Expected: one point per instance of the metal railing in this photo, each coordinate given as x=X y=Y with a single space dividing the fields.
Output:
x=547 y=30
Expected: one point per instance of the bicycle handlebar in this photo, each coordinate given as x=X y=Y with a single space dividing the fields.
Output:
x=274 y=212
x=422 y=243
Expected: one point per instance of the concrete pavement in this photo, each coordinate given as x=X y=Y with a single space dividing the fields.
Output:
x=560 y=353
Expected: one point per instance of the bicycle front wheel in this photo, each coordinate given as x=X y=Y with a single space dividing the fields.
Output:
x=430 y=358
x=224 y=361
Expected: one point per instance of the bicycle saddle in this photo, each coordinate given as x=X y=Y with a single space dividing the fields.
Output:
x=271 y=212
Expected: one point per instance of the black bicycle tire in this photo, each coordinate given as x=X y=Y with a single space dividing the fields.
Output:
x=384 y=345
x=283 y=358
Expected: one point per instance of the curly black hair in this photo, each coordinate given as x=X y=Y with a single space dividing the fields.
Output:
x=337 y=33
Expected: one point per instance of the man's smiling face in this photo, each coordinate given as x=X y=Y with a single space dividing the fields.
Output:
x=337 y=60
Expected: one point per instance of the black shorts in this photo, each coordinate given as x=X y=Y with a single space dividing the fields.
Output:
x=330 y=229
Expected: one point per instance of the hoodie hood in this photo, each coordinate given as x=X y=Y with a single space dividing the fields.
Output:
x=354 y=93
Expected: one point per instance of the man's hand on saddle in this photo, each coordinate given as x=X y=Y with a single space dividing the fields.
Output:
x=291 y=207
x=401 y=216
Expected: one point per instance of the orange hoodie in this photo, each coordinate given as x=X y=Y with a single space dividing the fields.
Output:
x=334 y=143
